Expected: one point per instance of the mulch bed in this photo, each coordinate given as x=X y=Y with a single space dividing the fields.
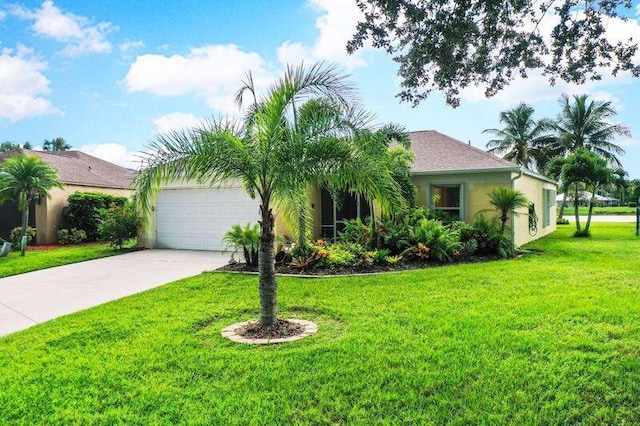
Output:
x=404 y=266
x=281 y=329
x=56 y=246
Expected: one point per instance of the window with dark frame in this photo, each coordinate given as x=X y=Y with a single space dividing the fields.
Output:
x=448 y=199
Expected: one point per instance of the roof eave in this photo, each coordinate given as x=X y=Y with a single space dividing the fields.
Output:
x=465 y=171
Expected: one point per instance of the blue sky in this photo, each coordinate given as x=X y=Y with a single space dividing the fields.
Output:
x=107 y=75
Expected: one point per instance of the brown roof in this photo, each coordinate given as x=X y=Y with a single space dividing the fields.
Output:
x=435 y=151
x=78 y=168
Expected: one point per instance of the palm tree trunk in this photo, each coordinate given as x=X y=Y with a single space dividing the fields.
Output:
x=564 y=200
x=302 y=227
x=591 y=202
x=23 y=233
x=576 y=203
x=266 y=268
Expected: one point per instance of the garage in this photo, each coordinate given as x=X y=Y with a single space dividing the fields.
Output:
x=197 y=219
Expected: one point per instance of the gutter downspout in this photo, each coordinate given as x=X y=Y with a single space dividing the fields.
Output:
x=513 y=214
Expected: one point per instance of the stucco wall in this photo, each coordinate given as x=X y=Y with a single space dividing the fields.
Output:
x=49 y=217
x=475 y=187
x=533 y=189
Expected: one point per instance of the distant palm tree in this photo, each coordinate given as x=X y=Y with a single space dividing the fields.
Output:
x=522 y=140
x=274 y=160
x=586 y=124
x=24 y=178
x=57 y=144
x=506 y=201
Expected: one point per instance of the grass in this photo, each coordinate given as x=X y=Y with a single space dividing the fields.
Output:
x=35 y=260
x=602 y=211
x=550 y=338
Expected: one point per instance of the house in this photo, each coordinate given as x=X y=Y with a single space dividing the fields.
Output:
x=583 y=200
x=78 y=171
x=189 y=216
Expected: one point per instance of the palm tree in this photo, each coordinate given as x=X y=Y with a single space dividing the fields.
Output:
x=57 y=144
x=23 y=179
x=586 y=124
x=589 y=169
x=300 y=132
x=523 y=139
x=506 y=201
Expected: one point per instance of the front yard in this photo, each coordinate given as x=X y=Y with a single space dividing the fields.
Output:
x=34 y=260
x=553 y=337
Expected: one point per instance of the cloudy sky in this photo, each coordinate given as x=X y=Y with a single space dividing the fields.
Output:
x=107 y=75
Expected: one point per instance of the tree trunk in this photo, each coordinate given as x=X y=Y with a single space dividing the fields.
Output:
x=302 y=227
x=266 y=268
x=591 y=201
x=564 y=200
x=576 y=204
x=25 y=223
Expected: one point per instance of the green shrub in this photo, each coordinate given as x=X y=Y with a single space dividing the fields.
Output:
x=118 y=224
x=583 y=233
x=246 y=239
x=491 y=241
x=16 y=233
x=444 y=243
x=71 y=236
x=397 y=236
x=394 y=260
x=340 y=256
x=562 y=221
x=83 y=211
x=357 y=232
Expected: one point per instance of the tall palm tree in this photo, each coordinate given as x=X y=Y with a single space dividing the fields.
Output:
x=270 y=154
x=522 y=140
x=586 y=124
x=22 y=179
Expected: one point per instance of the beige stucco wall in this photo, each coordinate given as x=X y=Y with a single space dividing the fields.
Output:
x=475 y=198
x=49 y=217
x=475 y=187
x=532 y=188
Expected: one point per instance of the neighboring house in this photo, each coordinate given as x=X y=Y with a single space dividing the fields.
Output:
x=583 y=200
x=78 y=172
x=188 y=216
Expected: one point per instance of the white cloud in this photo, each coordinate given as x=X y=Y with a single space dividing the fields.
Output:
x=75 y=31
x=23 y=85
x=638 y=10
x=3 y=15
x=175 y=121
x=337 y=24
x=625 y=143
x=210 y=72
x=130 y=45
x=114 y=153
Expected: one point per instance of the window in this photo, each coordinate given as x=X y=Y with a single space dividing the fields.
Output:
x=448 y=199
x=548 y=201
x=333 y=217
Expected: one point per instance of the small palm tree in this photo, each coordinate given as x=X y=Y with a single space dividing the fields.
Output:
x=301 y=132
x=506 y=201
x=522 y=140
x=23 y=179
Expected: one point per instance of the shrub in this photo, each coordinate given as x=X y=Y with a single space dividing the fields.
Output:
x=583 y=233
x=340 y=256
x=16 y=233
x=394 y=260
x=442 y=242
x=246 y=239
x=464 y=230
x=491 y=241
x=83 y=211
x=397 y=236
x=118 y=224
x=71 y=236
x=356 y=232
x=562 y=221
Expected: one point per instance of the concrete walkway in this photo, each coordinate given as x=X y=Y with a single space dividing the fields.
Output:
x=609 y=218
x=35 y=297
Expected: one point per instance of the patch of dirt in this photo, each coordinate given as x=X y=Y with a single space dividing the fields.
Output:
x=56 y=246
x=281 y=329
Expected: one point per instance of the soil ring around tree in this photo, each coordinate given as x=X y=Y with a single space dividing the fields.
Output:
x=284 y=331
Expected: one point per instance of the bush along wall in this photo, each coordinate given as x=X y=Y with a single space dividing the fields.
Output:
x=83 y=210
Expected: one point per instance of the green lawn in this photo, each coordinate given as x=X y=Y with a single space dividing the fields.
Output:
x=550 y=338
x=601 y=211
x=40 y=259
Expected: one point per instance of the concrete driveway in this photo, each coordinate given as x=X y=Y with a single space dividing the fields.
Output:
x=35 y=297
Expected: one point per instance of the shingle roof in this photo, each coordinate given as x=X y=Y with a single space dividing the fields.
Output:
x=76 y=167
x=435 y=151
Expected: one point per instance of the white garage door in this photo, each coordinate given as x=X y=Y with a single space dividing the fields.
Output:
x=197 y=219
